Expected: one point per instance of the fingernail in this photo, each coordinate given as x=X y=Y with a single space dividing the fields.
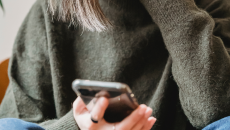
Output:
x=142 y=109
x=148 y=112
x=101 y=99
x=152 y=120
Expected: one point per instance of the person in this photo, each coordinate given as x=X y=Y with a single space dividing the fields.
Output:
x=174 y=54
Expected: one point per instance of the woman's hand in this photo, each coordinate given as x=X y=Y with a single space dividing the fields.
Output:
x=139 y=119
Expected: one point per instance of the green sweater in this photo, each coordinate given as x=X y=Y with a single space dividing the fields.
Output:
x=172 y=53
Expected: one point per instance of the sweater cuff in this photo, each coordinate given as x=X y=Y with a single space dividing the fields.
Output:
x=67 y=122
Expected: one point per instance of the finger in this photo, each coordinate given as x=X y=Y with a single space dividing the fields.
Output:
x=91 y=104
x=99 y=109
x=87 y=124
x=79 y=106
x=103 y=94
x=143 y=120
x=149 y=124
x=133 y=118
x=102 y=125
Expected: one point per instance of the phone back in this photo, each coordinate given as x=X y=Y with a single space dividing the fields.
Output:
x=121 y=100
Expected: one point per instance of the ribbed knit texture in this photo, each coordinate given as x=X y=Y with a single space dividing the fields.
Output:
x=172 y=53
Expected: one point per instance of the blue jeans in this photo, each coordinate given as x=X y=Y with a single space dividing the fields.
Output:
x=222 y=124
x=16 y=124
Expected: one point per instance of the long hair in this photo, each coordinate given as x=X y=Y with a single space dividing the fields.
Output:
x=86 y=13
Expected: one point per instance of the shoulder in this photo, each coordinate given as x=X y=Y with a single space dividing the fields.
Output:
x=31 y=38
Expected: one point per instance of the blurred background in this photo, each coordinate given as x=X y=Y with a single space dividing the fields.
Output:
x=10 y=20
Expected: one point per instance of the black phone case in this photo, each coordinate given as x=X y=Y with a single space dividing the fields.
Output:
x=121 y=103
x=119 y=108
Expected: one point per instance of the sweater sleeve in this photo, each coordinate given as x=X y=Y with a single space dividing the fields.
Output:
x=30 y=94
x=198 y=43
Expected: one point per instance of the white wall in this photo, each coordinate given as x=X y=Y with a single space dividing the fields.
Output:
x=10 y=21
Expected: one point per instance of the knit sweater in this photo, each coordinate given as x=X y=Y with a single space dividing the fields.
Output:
x=172 y=53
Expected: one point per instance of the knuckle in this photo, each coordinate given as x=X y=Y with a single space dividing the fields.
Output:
x=143 y=120
x=137 y=117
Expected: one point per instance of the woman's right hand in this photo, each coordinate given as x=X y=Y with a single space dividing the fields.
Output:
x=139 y=119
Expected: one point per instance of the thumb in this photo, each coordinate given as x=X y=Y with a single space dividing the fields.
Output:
x=79 y=106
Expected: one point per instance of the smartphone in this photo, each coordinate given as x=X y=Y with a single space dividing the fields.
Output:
x=121 y=99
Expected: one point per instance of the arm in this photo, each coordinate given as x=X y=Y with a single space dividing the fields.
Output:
x=201 y=63
x=30 y=94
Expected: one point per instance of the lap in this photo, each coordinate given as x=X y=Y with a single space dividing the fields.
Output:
x=222 y=124
x=17 y=124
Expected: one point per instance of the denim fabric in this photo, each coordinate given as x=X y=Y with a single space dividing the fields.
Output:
x=222 y=124
x=17 y=124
